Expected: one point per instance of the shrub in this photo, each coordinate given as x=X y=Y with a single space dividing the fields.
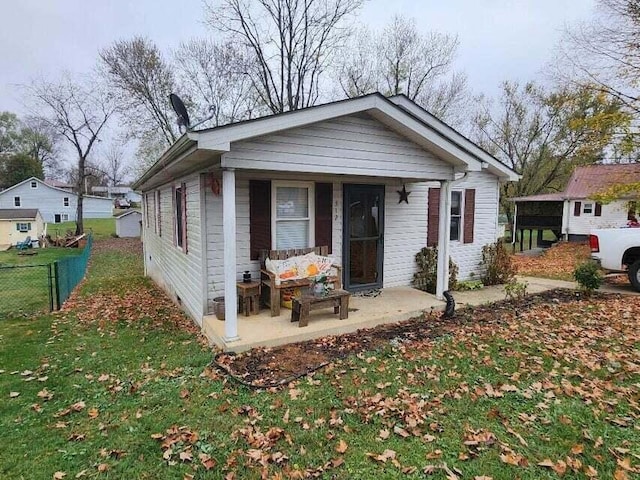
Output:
x=425 y=278
x=588 y=275
x=468 y=285
x=515 y=290
x=497 y=263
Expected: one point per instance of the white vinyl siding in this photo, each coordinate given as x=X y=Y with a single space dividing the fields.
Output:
x=351 y=145
x=614 y=215
x=179 y=274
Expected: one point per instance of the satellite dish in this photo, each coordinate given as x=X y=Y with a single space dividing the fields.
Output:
x=181 y=112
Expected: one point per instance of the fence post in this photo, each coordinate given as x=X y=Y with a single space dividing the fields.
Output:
x=57 y=281
x=50 y=285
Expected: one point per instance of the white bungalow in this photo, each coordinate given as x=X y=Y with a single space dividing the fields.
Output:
x=307 y=178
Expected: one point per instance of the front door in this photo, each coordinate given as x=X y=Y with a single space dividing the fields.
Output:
x=363 y=236
x=56 y=218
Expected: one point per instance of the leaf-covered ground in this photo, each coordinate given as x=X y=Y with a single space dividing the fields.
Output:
x=557 y=262
x=119 y=386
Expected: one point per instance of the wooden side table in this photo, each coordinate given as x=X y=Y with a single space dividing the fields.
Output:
x=249 y=297
x=302 y=306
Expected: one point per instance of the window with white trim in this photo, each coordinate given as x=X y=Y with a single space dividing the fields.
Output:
x=65 y=200
x=587 y=208
x=178 y=215
x=292 y=211
x=456 y=216
x=16 y=201
x=64 y=217
x=23 y=227
x=34 y=184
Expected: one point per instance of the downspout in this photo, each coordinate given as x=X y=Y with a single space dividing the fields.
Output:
x=515 y=222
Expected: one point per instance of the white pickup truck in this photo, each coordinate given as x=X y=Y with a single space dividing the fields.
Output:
x=618 y=249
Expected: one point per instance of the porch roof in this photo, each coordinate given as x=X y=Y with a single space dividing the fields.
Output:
x=399 y=114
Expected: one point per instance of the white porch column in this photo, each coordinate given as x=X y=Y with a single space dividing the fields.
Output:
x=444 y=225
x=229 y=231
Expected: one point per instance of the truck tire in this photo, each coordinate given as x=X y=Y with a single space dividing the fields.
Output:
x=634 y=275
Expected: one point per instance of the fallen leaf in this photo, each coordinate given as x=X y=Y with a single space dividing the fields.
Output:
x=93 y=413
x=207 y=462
x=103 y=467
x=342 y=446
x=184 y=393
x=14 y=394
x=577 y=449
x=59 y=475
x=384 y=434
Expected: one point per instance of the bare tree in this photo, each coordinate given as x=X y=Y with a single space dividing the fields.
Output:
x=214 y=75
x=114 y=165
x=604 y=54
x=141 y=80
x=291 y=43
x=78 y=112
x=403 y=61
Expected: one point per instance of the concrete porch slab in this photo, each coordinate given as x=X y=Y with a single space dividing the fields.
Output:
x=262 y=330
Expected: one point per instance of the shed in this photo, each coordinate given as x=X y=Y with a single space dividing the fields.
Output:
x=129 y=224
x=16 y=224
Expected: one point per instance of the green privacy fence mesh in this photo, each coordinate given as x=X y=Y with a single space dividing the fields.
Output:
x=37 y=288
x=69 y=271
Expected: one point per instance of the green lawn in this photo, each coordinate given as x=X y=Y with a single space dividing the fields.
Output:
x=101 y=227
x=114 y=387
x=26 y=289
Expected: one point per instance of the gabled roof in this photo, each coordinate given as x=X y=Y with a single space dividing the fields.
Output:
x=591 y=179
x=52 y=182
x=18 y=213
x=414 y=123
x=66 y=192
x=129 y=212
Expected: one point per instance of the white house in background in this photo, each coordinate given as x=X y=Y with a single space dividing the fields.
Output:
x=117 y=192
x=129 y=224
x=581 y=214
x=311 y=177
x=16 y=224
x=55 y=204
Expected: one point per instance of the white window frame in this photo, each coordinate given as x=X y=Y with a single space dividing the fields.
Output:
x=64 y=217
x=312 y=210
x=591 y=209
x=65 y=201
x=461 y=225
x=27 y=227
x=17 y=202
x=177 y=214
x=34 y=184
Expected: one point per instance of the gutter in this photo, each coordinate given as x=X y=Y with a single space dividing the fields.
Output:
x=171 y=155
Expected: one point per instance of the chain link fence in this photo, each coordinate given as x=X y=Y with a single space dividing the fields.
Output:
x=38 y=288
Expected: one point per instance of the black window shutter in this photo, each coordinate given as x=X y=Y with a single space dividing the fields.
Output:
x=433 y=217
x=324 y=215
x=259 y=217
x=469 y=214
x=598 y=211
x=577 y=209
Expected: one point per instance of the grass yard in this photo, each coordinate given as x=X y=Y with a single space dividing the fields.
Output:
x=101 y=227
x=118 y=385
x=27 y=289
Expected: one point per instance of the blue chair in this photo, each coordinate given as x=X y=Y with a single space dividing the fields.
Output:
x=26 y=243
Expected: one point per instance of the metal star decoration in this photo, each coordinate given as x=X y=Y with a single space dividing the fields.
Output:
x=404 y=195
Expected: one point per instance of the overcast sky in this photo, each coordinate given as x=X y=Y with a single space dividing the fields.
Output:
x=499 y=39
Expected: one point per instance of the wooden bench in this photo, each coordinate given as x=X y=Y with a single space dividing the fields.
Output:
x=302 y=306
x=272 y=293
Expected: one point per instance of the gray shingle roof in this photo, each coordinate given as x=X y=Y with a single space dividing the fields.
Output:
x=18 y=213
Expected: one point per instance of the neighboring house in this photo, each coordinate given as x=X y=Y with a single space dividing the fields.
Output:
x=56 y=205
x=117 y=192
x=325 y=175
x=572 y=214
x=129 y=224
x=58 y=184
x=16 y=224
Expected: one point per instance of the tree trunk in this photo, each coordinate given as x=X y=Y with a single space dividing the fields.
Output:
x=79 y=187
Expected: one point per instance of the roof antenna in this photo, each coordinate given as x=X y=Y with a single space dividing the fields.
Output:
x=183 y=116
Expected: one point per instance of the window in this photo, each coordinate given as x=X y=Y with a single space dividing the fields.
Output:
x=456 y=216
x=34 y=184
x=179 y=216
x=16 y=201
x=587 y=208
x=146 y=209
x=292 y=210
x=65 y=217
x=66 y=201
x=23 y=227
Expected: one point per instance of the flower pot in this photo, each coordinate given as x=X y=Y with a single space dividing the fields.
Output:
x=218 y=307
